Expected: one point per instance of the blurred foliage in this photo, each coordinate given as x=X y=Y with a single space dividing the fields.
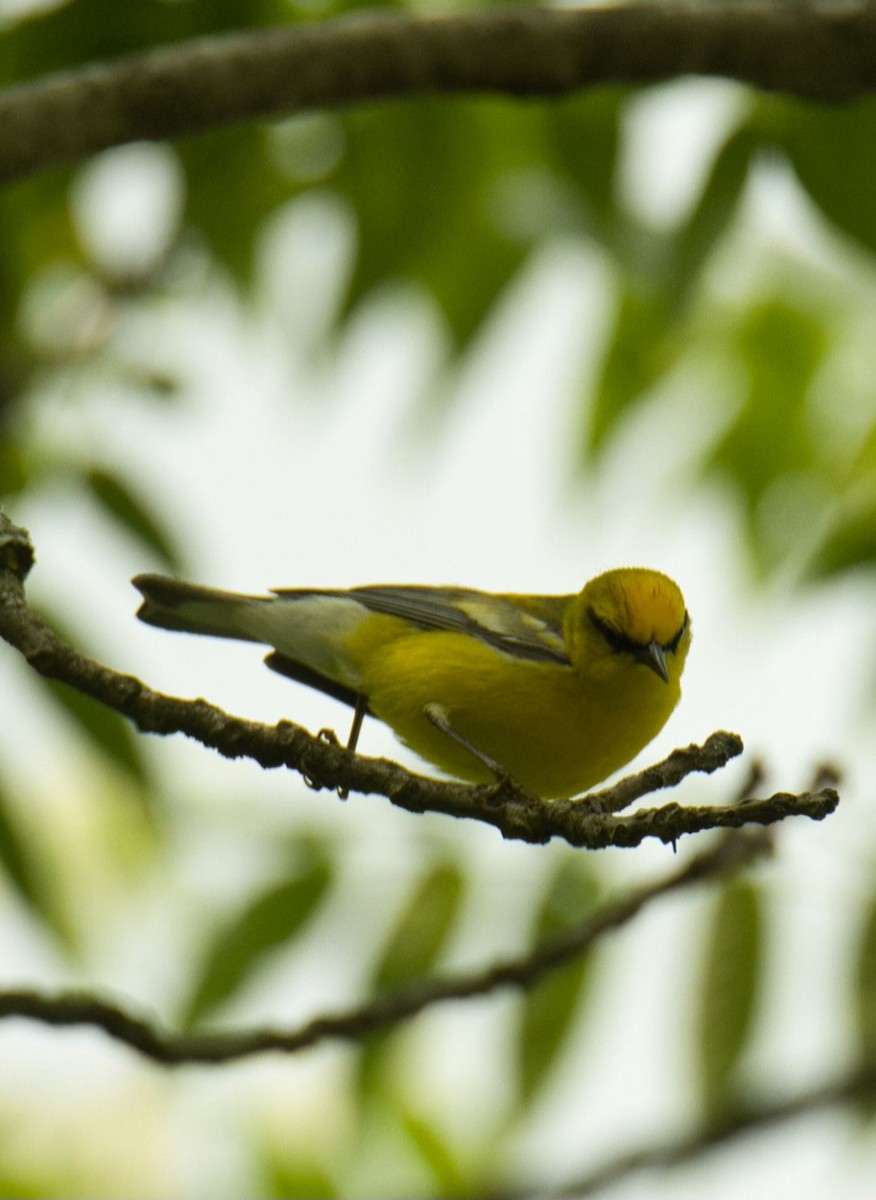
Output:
x=106 y=733
x=289 y=1180
x=422 y=181
x=412 y=947
x=80 y=31
x=829 y=149
x=22 y=867
x=422 y=928
x=864 y=997
x=729 y=989
x=549 y=1010
x=454 y=198
x=268 y=922
x=131 y=512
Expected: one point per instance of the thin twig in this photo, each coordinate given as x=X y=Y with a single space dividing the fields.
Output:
x=715 y=753
x=858 y=1084
x=729 y=854
x=820 y=51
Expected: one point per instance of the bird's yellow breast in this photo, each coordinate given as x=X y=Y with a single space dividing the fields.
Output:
x=557 y=732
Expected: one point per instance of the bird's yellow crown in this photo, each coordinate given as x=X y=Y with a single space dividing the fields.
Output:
x=638 y=604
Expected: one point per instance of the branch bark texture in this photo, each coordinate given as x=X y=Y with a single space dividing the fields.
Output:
x=818 y=51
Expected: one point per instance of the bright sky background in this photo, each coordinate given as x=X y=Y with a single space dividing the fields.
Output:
x=278 y=469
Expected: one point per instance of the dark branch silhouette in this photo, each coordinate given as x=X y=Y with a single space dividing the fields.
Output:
x=514 y=812
x=817 y=51
x=732 y=852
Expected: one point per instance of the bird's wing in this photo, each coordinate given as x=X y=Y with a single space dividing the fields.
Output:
x=525 y=627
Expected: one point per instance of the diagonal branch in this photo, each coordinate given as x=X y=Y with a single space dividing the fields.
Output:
x=727 y=855
x=514 y=812
x=714 y=754
x=859 y=1084
x=819 y=51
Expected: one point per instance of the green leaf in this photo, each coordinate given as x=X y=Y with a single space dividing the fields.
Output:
x=21 y=864
x=14 y=475
x=780 y=347
x=434 y=1151
x=36 y=231
x=865 y=999
x=658 y=273
x=109 y=734
x=20 y=868
x=422 y=179
x=422 y=929
x=413 y=945
x=584 y=145
x=831 y=151
x=298 y=1178
x=637 y=356
x=82 y=31
x=23 y=1187
x=865 y=987
x=550 y=1009
x=729 y=991
x=118 y=500
x=849 y=543
x=233 y=182
x=718 y=203
x=849 y=538
x=267 y=922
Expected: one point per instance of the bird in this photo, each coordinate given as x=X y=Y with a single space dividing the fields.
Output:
x=557 y=692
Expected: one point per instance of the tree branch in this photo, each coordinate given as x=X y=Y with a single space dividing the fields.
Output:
x=730 y=853
x=715 y=753
x=514 y=812
x=858 y=1084
x=819 y=51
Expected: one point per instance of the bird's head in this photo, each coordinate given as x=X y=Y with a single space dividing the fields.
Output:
x=631 y=617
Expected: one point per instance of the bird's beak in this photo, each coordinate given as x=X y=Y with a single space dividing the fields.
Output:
x=654 y=656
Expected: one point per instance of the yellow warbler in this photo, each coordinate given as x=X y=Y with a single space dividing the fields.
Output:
x=559 y=691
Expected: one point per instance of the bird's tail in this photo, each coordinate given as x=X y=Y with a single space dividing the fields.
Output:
x=192 y=608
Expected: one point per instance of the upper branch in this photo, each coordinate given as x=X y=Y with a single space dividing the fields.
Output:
x=809 y=50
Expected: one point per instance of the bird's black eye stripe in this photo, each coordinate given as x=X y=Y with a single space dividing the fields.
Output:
x=622 y=644
x=615 y=639
x=676 y=641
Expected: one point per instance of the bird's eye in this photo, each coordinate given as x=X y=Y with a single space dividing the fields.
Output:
x=676 y=641
x=618 y=641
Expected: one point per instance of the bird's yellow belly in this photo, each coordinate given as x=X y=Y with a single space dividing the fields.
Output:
x=556 y=732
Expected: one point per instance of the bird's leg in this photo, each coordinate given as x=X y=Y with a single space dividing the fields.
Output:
x=358 y=717
x=353 y=739
x=329 y=735
x=436 y=714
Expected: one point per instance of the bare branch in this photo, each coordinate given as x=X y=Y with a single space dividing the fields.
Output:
x=727 y=855
x=514 y=812
x=858 y=1084
x=821 y=51
x=715 y=753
